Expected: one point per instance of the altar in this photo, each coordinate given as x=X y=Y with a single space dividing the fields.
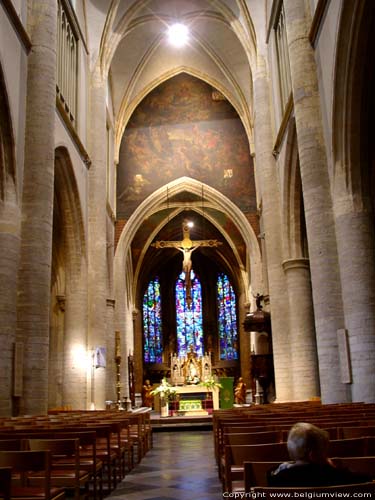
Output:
x=198 y=397
x=191 y=400
x=195 y=392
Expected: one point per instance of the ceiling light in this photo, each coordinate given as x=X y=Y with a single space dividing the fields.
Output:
x=178 y=34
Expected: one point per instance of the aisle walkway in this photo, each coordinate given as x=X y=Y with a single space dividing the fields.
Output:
x=180 y=466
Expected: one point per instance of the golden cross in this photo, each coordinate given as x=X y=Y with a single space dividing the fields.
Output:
x=187 y=247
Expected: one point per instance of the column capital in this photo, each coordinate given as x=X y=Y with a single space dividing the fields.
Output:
x=135 y=313
x=301 y=263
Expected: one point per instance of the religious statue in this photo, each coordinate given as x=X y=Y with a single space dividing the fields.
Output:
x=147 y=397
x=187 y=247
x=192 y=370
x=258 y=300
x=186 y=267
x=240 y=392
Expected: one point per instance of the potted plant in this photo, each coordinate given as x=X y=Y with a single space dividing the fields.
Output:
x=166 y=392
x=210 y=384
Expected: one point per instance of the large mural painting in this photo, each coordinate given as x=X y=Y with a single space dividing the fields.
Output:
x=181 y=129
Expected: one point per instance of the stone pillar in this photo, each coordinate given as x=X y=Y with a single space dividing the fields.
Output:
x=355 y=237
x=111 y=392
x=97 y=239
x=317 y=201
x=37 y=206
x=267 y=174
x=76 y=355
x=56 y=350
x=304 y=366
x=244 y=341
x=9 y=255
x=137 y=348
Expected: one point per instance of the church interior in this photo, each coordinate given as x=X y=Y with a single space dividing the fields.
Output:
x=187 y=192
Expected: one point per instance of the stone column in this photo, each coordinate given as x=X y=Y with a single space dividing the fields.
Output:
x=304 y=366
x=355 y=237
x=56 y=351
x=76 y=355
x=111 y=365
x=37 y=206
x=97 y=239
x=317 y=201
x=244 y=342
x=267 y=174
x=9 y=255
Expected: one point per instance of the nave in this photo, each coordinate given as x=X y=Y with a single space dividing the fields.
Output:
x=180 y=466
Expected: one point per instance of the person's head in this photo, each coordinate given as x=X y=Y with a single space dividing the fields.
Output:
x=308 y=443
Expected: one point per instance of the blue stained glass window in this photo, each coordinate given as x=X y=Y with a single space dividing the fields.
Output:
x=152 y=331
x=189 y=321
x=227 y=318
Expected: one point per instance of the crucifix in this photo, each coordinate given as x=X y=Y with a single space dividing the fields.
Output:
x=187 y=247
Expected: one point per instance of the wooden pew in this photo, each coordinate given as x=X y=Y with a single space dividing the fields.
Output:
x=24 y=464
x=65 y=465
x=5 y=482
x=236 y=455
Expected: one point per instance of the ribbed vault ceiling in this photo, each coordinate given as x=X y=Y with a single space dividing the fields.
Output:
x=130 y=40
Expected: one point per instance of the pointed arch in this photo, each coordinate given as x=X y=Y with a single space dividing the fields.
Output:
x=128 y=108
x=66 y=190
x=68 y=332
x=295 y=244
x=213 y=198
x=353 y=89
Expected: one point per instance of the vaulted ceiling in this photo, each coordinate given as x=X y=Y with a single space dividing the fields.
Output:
x=129 y=42
x=129 y=39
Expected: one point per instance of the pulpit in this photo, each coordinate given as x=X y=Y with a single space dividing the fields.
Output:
x=262 y=370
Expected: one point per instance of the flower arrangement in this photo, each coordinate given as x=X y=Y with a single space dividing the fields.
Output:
x=210 y=383
x=165 y=390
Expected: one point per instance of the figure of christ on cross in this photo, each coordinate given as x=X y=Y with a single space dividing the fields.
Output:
x=187 y=247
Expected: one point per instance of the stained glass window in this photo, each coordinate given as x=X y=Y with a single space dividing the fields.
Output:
x=152 y=331
x=189 y=320
x=227 y=318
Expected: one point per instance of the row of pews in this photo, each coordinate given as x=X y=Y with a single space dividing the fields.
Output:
x=82 y=454
x=249 y=441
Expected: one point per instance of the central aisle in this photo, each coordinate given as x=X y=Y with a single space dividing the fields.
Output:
x=180 y=466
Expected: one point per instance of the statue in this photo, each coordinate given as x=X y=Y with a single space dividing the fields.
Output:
x=240 y=392
x=192 y=370
x=258 y=300
x=187 y=247
x=147 y=397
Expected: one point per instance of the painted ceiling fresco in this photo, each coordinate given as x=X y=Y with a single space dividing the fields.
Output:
x=181 y=129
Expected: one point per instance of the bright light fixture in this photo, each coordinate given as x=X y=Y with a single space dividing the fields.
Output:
x=190 y=224
x=178 y=34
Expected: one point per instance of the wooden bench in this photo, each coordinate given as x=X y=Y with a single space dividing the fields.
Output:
x=23 y=465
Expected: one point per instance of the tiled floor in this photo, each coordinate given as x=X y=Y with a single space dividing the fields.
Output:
x=180 y=466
